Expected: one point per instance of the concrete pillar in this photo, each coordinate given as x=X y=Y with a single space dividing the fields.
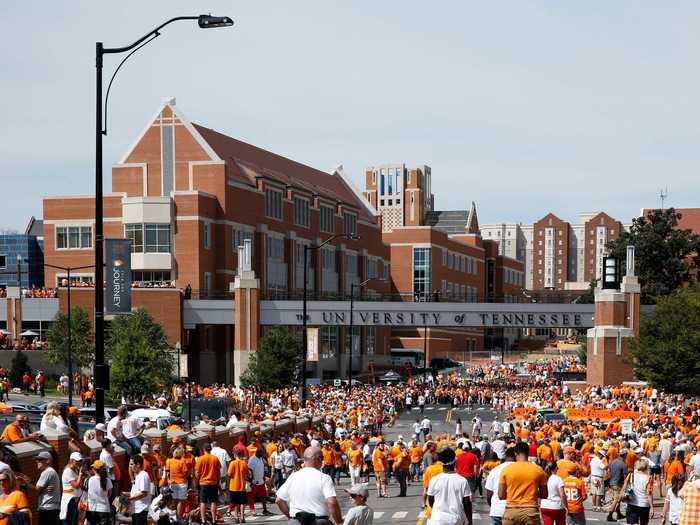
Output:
x=246 y=291
x=608 y=340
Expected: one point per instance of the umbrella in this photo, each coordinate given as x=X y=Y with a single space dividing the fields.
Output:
x=29 y=333
x=6 y=332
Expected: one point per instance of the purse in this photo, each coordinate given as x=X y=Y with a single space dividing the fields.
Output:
x=629 y=489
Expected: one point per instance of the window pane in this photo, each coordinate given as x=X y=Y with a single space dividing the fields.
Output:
x=74 y=237
x=61 y=238
x=86 y=237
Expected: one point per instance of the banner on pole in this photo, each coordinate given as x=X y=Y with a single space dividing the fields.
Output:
x=312 y=344
x=118 y=276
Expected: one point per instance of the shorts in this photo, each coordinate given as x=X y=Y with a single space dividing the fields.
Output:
x=209 y=493
x=637 y=514
x=521 y=516
x=179 y=491
x=575 y=518
x=597 y=486
x=258 y=491
x=237 y=497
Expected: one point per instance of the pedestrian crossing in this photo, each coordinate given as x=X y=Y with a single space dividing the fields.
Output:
x=378 y=515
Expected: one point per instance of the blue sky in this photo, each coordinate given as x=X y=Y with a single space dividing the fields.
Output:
x=523 y=107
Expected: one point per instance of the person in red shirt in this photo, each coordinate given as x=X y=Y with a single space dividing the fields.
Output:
x=26 y=381
x=468 y=466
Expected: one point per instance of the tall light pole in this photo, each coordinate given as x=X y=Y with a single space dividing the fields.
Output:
x=68 y=269
x=352 y=301
x=101 y=372
x=307 y=248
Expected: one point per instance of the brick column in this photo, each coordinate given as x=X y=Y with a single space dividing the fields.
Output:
x=246 y=291
x=608 y=340
x=59 y=442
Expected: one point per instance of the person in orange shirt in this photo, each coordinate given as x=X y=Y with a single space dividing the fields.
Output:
x=354 y=463
x=575 y=492
x=11 y=498
x=402 y=461
x=207 y=471
x=380 y=465
x=175 y=474
x=430 y=472
x=416 y=458
x=675 y=466
x=328 y=459
x=545 y=454
x=237 y=474
x=18 y=430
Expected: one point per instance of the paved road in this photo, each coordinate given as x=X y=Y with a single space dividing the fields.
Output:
x=408 y=510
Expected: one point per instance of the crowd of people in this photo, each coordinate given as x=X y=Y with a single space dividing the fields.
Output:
x=627 y=452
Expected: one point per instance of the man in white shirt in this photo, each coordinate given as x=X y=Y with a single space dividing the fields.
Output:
x=598 y=468
x=499 y=447
x=421 y=403
x=115 y=432
x=132 y=428
x=140 y=495
x=417 y=429
x=426 y=427
x=449 y=494
x=497 y=507
x=224 y=459
x=495 y=426
x=309 y=491
x=256 y=464
x=695 y=463
x=106 y=457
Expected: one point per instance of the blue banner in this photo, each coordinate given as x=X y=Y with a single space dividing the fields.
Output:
x=118 y=276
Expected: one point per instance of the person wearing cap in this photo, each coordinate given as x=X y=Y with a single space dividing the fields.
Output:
x=575 y=491
x=308 y=496
x=100 y=432
x=449 y=494
x=564 y=465
x=99 y=492
x=360 y=513
x=72 y=482
x=49 y=488
x=598 y=468
x=163 y=508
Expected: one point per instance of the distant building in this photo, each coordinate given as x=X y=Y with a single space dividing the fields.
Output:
x=23 y=254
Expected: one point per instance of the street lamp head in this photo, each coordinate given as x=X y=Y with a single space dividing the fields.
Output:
x=209 y=21
x=352 y=236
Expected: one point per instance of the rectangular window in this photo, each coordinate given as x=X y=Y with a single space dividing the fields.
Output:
x=422 y=276
x=301 y=212
x=371 y=332
x=328 y=259
x=275 y=248
x=381 y=183
x=73 y=237
x=150 y=276
x=391 y=178
x=329 y=342
x=239 y=237
x=372 y=268
x=157 y=238
x=273 y=203
x=3 y=261
x=327 y=219
x=350 y=220
x=207 y=281
x=207 y=235
x=134 y=232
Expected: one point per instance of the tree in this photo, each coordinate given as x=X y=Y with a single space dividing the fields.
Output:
x=140 y=355
x=588 y=297
x=18 y=366
x=667 y=352
x=82 y=343
x=664 y=254
x=277 y=361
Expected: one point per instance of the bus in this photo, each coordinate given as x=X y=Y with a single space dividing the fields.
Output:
x=402 y=356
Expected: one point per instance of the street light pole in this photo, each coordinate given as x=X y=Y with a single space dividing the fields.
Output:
x=304 y=342
x=68 y=269
x=352 y=326
x=100 y=372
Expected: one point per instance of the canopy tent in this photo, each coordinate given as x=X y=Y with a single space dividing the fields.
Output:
x=29 y=333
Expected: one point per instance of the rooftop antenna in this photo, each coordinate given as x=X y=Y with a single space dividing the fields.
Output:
x=663 y=195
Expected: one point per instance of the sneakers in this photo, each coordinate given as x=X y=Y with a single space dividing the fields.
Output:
x=610 y=518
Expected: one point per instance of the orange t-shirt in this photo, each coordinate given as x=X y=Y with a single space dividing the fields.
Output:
x=545 y=453
x=328 y=456
x=674 y=467
x=575 y=491
x=355 y=457
x=379 y=461
x=12 y=433
x=15 y=500
x=416 y=454
x=564 y=468
x=178 y=470
x=207 y=468
x=430 y=472
x=237 y=473
x=522 y=480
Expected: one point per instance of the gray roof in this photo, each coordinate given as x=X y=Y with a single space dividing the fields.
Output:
x=449 y=222
x=35 y=227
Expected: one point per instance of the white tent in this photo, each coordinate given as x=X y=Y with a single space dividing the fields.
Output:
x=29 y=333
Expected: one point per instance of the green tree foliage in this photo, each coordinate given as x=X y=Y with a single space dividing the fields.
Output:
x=82 y=344
x=664 y=254
x=667 y=352
x=588 y=297
x=18 y=366
x=141 y=358
x=276 y=362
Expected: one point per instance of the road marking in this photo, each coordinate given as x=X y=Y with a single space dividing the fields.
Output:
x=278 y=517
x=252 y=518
x=399 y=515
x=378 y=515
x=442 y=408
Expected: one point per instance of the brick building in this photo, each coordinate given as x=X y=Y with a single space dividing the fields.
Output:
x=187 y=196
x=438 y=255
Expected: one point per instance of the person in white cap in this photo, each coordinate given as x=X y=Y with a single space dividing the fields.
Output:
x=72 y=481
x=360 y=513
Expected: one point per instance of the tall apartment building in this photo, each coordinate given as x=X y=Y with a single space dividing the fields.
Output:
x=557 y=254
x=438 y=255
x=188 y=196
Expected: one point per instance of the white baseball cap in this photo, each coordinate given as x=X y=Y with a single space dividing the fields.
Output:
x=76 y=456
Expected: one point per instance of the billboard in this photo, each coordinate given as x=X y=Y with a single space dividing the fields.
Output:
x=118 y=276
